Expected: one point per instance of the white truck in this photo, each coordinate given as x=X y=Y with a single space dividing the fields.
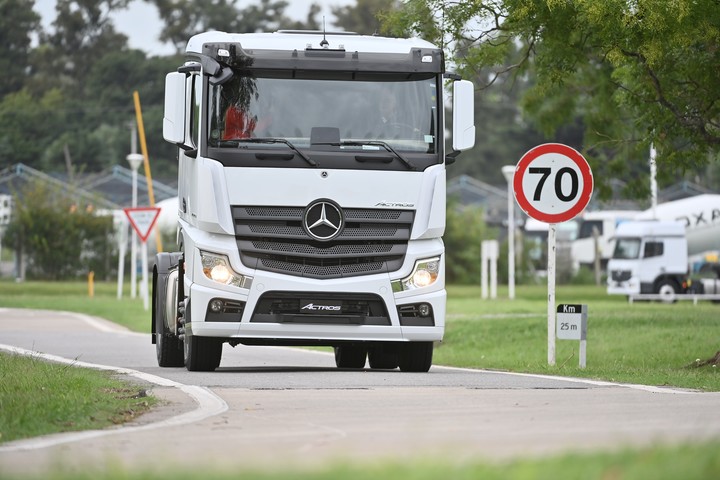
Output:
x=654 y=253
x=603 y=224
x=311 y=198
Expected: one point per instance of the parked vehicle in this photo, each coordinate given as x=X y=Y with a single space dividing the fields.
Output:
x=657 y=256
x=600 y=224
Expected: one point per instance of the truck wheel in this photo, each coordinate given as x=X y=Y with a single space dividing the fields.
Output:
x=202 y=354
x=383 y=357
x=350 y=356
x=416 y=357
x=667 y=289
x=168 y=346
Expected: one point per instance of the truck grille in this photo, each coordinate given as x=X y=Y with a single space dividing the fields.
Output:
x=273 y=239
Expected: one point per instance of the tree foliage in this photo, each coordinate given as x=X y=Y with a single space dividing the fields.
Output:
x=464 y=231
x=17 y=20
x=59 y=239
x=185 y=18
x=633 y=72
x=365 y=16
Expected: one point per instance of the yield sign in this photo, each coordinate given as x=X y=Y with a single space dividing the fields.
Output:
x=142 y=220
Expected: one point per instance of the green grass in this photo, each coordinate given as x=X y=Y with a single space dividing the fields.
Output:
x=73 y=297
x=689 y=462
x=647 y=343
x=642 y=343
x=38 y=398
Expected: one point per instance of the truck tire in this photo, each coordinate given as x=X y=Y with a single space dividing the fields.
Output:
x=668 y=289
x=168 y=347
x=383 y=357
x=416 y=357
x=202 y=354
x=350 y=356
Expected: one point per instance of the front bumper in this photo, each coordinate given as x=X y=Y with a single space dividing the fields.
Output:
x=265 y=311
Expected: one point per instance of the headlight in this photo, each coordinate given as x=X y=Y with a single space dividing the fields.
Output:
x=217 y=268
x=424 y=274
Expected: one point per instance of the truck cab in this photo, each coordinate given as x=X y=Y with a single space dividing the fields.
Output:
x=650 y=257
x=311 y=197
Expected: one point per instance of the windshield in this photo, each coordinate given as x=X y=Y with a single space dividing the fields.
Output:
x=323 y=113
x=627 y=248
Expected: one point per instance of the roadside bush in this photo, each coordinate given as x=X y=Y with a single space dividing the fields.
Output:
x=465 y=229
x=59 y=238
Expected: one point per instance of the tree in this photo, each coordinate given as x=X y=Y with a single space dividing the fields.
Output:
x=185 y=18
x=633 y=72
x=364 y=17
x=60 y=238
x=83 y=33
x=17 y=21
x=465 y=229
x=29 y=125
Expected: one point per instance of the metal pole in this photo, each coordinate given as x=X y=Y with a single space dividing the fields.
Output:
x=551 y=294
x=134 y=159
x=653 y=180
x=122 y=241
x=511 y=244
x=133 y=243
x=509 y=173
x=144 y=286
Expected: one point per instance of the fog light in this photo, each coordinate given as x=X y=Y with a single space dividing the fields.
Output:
x=424 y=309
x=216 y=305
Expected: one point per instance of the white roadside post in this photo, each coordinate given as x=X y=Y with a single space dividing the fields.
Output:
x=509 y=171
x=488 y=256
x=122 y=247
x=134 y=159
x=553 y=183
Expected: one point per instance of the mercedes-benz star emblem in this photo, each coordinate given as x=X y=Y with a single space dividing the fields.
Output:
x=323 y=220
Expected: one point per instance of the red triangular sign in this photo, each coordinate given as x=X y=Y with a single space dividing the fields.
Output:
x=142 y=220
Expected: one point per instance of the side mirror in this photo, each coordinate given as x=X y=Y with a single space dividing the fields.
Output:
x=174 y=117
x=463 y=115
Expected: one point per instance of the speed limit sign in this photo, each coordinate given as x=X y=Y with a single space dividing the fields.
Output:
x=553 y=183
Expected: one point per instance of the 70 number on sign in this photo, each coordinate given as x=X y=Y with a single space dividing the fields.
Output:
x=545 y=172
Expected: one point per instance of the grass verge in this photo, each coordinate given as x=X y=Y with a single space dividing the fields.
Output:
x=689 y=462
x=39 y=398
x=645 y=343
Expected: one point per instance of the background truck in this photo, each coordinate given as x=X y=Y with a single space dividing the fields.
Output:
x=311 y=197
x=586 y=249
x=668 y=257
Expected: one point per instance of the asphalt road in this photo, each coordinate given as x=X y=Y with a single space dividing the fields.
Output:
x=287 y=408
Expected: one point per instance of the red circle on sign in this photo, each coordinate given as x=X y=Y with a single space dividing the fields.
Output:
x=581 y=200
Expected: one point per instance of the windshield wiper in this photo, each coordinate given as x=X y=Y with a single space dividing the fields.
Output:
x=237 y=141
x=386 y=146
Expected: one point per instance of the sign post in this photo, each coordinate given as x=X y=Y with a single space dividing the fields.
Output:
x=143 y=220
x=553 y=183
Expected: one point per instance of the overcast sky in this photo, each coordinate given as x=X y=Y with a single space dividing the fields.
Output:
x=141 y=23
